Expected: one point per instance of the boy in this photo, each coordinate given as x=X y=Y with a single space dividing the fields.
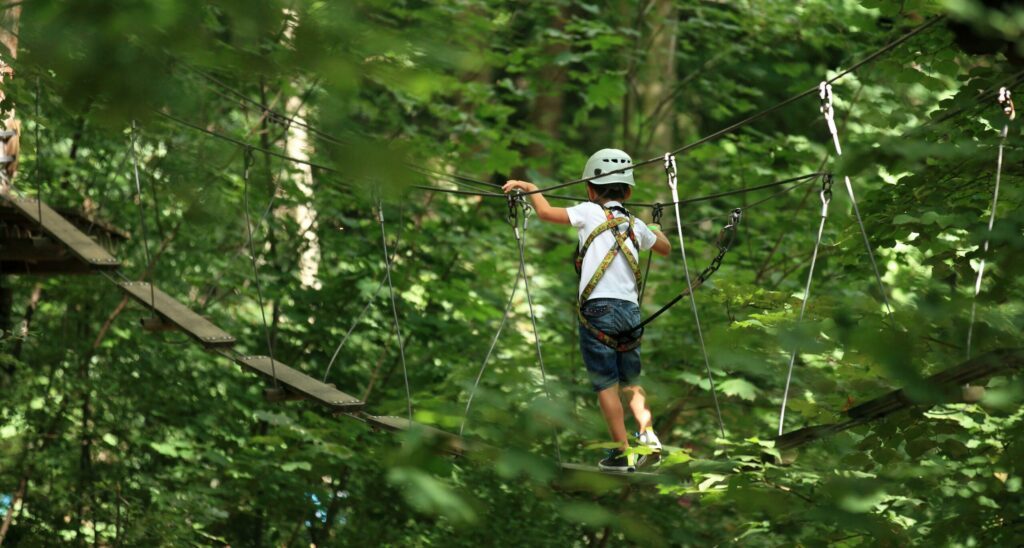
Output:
x=609 y=276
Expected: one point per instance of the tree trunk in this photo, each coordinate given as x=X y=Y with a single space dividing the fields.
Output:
x=657 y=80
x=297 y=146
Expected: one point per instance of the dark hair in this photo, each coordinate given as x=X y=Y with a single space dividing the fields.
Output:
x=614 y=191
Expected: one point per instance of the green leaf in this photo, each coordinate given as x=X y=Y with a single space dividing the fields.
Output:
x=739 y=387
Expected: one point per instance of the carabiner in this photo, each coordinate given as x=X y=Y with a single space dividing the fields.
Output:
x=670 y=169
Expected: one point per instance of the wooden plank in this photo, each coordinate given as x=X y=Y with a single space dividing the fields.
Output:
x=392 y=423
x=81 y=245
x=178 y=314
x=300 y=383
x=590 y=469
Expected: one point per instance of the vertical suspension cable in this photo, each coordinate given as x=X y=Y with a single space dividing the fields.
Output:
x=521 y=243
x=656 y=213
x=670 y=171
x=826 y=198
x=394 y=306
x=1007 y=103
x=825 y=94
x=142 y=222
x=35 y=168
x=247 y=163
x=490 y=350
x=359 y=318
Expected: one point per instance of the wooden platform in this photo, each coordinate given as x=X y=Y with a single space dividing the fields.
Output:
x=172 y=311
x=300 y=383
x=61 y=230
x=642 y=473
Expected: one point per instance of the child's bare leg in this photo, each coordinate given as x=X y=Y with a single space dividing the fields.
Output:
x=638 y=404
x=611 y=408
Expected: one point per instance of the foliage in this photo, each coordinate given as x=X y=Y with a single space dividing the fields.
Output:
x=129 y=437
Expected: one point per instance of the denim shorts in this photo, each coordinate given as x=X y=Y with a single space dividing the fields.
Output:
x=605 y=366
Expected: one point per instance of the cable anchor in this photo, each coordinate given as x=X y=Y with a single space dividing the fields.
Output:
x=515 y=200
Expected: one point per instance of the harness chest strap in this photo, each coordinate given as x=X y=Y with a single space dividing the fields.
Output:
x=620 y=245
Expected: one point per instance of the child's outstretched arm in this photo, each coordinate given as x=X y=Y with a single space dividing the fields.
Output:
x=662 y=246
x=544 y=210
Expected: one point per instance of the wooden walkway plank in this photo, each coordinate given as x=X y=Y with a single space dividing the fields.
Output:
x=60 y=229
x=300 y=383
x=391 y=423
x=170 y=309
x=641 y=473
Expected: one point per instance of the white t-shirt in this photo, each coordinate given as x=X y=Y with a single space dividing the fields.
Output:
x=618 y=281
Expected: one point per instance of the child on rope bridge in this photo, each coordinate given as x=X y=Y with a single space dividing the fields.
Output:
x=610 y=241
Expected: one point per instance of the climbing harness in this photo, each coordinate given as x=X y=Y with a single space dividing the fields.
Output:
x=247 y=161
x=1006 y=102
x=825 y=94
x=673 y=184
x=826 y=198
x=394 y=306
x=612 y=224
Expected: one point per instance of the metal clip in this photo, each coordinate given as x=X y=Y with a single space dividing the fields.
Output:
x=248 y=158
x=825 y=94
x=670 y=169
x=826 y=193
x=527 y=212
x=656 y=212
x=1007 y=102
x=735 y=216
x=514 y=199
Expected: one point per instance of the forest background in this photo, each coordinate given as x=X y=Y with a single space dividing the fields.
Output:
x=111 y=435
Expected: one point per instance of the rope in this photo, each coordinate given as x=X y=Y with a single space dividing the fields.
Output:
x=487 y=357
x=656 y=213
x=359 y=318
x=247 y=146
x=826 y=198
x=142 y=221
x=729 y=129
x=394 y=306
x=806 y=177
x=670 y=171
x=754 y=117
x=825 y=94
x=521 y=240
x=366 y=308
x=247 y=163
x=751 y=206
x=1007 y=103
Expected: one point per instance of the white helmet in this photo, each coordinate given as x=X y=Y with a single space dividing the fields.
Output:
x=609 y=159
